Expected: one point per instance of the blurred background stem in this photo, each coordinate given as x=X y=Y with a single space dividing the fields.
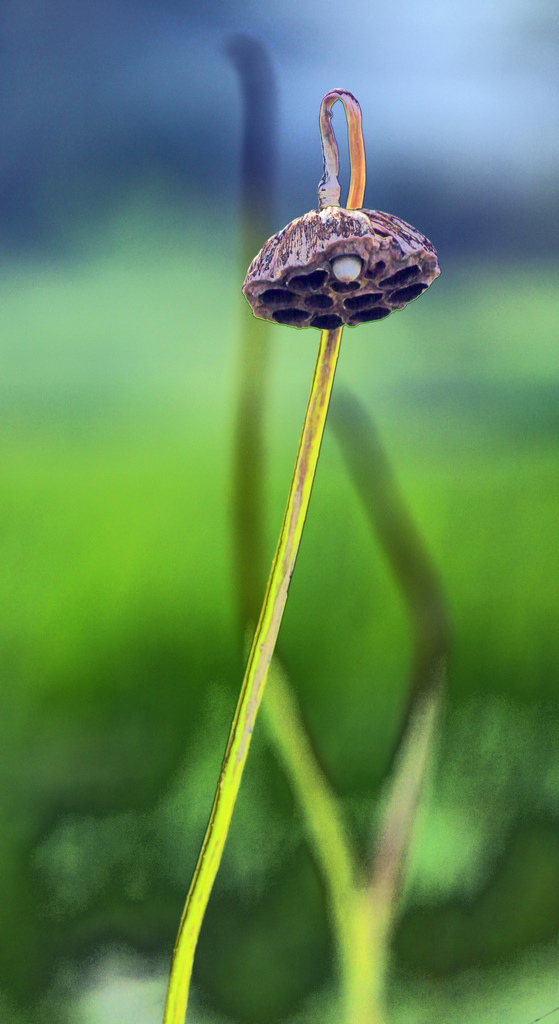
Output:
x=325 y=827
x=417 y=578
x=393 y=526
x=258 y=188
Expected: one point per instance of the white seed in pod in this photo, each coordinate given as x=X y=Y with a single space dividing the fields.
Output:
x=346 y=268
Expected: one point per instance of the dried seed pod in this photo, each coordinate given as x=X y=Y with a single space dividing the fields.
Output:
x=337 y=266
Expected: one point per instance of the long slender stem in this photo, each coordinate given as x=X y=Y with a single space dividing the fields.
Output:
x=255 y=677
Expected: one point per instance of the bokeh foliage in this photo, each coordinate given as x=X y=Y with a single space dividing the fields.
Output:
x=119 y=649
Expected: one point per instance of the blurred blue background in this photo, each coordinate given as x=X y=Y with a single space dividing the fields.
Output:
x=120 y=308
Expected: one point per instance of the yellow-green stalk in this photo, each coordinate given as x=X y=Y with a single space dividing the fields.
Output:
x=255 y=678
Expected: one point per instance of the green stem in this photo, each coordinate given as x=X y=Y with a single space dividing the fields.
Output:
x=248 y=474
x=259 y=160
x=353 y=914
x=402 y=801
x=391 y=522
x=321 y=810
x=417 y=578
x=255 y=678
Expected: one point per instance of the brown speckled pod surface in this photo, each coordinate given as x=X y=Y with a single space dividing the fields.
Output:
x=292 y=280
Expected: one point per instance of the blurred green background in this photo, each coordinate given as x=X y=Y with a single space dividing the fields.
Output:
x=120 y=310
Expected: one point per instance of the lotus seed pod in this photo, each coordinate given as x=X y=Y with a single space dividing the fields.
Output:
x=335 y=266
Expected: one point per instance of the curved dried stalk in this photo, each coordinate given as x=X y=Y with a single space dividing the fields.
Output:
x=329 y=188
